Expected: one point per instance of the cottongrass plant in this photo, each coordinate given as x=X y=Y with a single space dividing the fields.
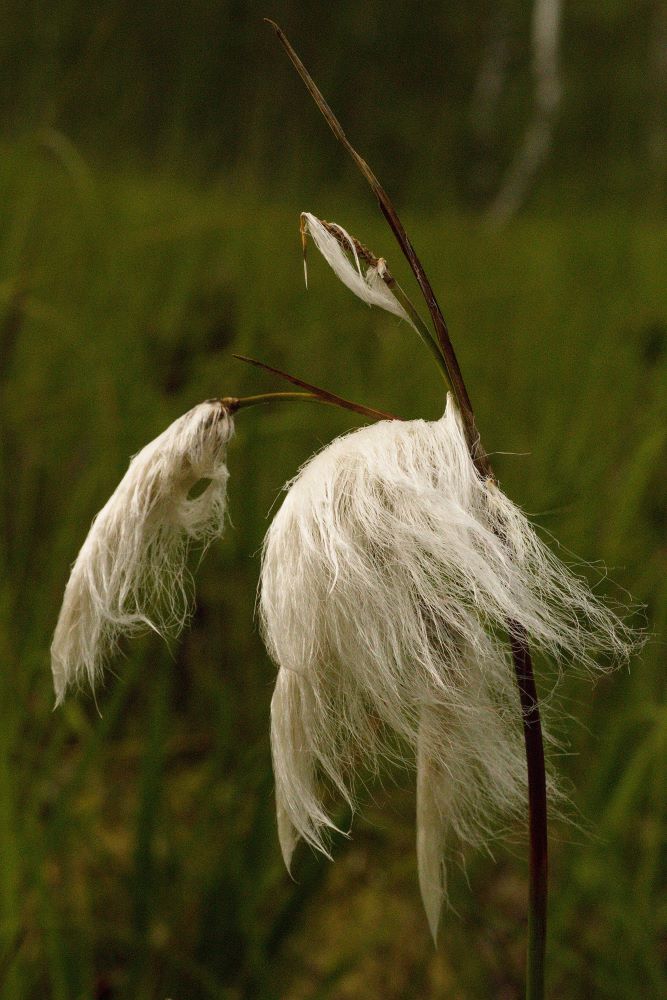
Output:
x=400 y=590
x=389 y=575
x=131 y=573
x=444 y=629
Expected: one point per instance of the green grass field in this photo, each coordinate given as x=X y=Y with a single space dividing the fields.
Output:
x=138 y=851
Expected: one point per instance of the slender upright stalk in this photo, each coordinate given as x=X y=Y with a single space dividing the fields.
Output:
x=537 y=814
x=532 y=728
x=391 y=215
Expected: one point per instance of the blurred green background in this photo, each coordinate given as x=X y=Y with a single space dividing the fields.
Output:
x=154 y=159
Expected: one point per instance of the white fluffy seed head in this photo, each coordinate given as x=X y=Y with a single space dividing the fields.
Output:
x=131 y=572
x=361 y=278
x=388 y=577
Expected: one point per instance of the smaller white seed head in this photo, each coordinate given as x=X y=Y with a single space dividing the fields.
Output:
x=365 y=280
x=131 y=573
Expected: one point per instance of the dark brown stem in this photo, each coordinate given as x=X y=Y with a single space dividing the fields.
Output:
x=391 y=215
x=537 y=812
x=323 y=394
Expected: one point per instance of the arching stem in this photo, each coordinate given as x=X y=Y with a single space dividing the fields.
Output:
x=314 y=394
x=234 y=403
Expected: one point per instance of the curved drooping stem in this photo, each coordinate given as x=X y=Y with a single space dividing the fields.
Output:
x=532 y=728
x=313 y=392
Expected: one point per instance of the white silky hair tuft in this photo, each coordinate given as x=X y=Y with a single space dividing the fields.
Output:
x=131 y=573
x=365 y=281
x=389 y=575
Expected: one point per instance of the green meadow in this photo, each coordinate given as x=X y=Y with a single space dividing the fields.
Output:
x=138 y=849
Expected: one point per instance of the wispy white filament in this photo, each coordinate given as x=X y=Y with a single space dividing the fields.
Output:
x=131 y=571
x=389 y=576
x=364 y=280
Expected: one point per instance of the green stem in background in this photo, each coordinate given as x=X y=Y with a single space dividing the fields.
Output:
x=532 y=728
x=418 y=323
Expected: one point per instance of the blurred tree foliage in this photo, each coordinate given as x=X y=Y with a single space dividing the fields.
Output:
x=204 y=80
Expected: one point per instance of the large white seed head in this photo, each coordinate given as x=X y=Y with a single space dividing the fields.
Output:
x=389 y=575
x=131 y=573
